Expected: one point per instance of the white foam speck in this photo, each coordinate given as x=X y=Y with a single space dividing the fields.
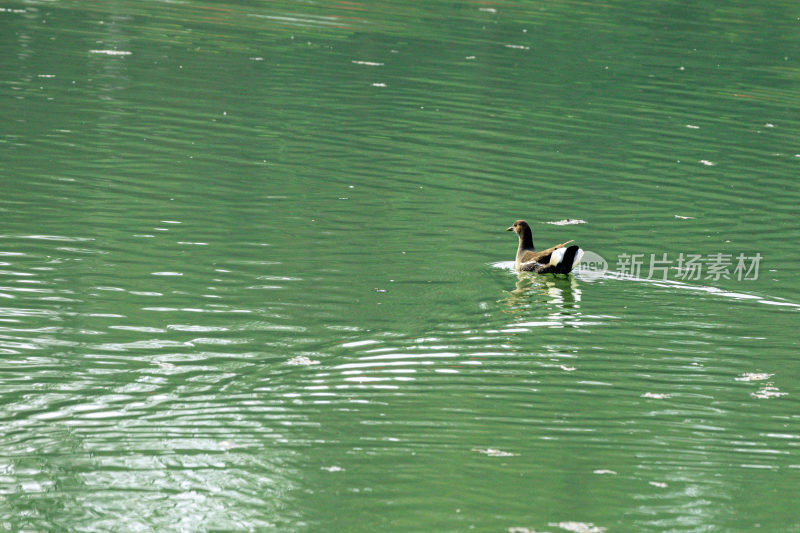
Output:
x=111 y=52
x=656 y=395
x=707 y=163
x=659 y=484
x=767 y=392
x=333 y=468
x=567 y=222
x=493 y=452
x=470 y=57
x=602 y=471
x=487 y=9
x=754 y=376
x=168 y=273
x=302 y=360
x=379 y=85
x=578 y=527
x=567 y=368
x=683 y=217
x=367 y=63
x=692 y=127
x=518 y=46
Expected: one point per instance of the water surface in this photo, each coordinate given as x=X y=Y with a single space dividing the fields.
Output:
x=252 y=266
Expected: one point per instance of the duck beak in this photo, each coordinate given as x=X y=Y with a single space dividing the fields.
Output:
x=510 y=228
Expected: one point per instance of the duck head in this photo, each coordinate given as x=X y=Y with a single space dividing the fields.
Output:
x=519 y=227
x=523 y=230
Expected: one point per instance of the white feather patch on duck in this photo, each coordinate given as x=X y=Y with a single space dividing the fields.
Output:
x=557 y=256
x=578 y=256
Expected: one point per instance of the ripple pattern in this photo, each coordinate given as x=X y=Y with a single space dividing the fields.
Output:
x=252 y=266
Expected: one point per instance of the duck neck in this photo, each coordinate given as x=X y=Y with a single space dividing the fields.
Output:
x=526 y=240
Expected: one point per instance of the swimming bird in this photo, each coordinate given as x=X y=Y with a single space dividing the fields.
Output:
x=555 y=260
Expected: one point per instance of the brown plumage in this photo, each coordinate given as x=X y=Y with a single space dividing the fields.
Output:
x=541 y=262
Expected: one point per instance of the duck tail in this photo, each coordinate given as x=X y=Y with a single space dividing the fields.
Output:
x=566 y=258
x=578 y=257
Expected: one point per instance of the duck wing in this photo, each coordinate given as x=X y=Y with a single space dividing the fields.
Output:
x=561 y=261
x=542 y=256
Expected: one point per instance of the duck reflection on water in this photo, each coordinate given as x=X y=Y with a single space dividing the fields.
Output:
x=553 y=298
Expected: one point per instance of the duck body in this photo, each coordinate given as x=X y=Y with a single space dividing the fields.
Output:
x=559 y=259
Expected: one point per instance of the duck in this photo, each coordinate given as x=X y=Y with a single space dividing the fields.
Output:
x=559 y=259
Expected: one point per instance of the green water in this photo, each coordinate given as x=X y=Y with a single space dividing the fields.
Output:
x=254 y=273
